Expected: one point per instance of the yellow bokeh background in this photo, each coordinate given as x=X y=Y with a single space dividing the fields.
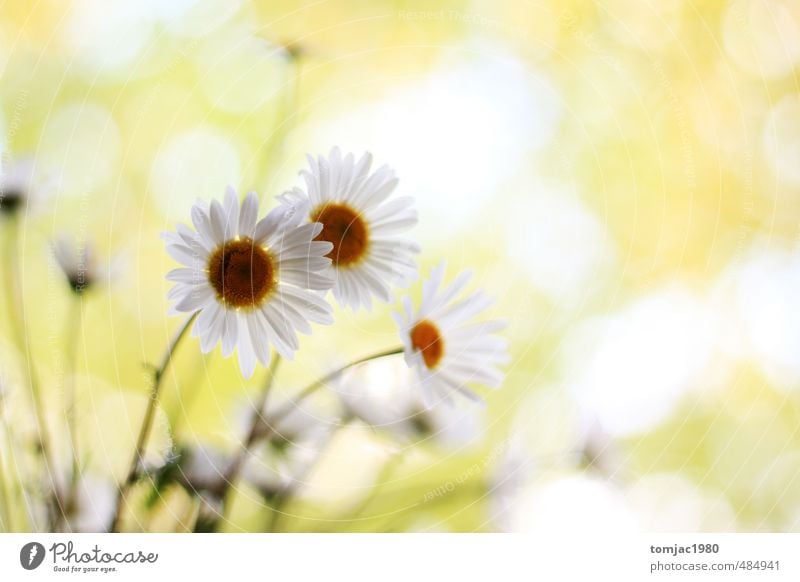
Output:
x=623 y=176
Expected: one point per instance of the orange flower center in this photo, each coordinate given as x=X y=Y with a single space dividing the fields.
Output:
x=426 y=338
x=242 y=273
x=345 y=229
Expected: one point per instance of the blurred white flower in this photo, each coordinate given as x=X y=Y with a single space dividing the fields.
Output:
x=384 y=396
x=93 y=506
x=271 y=470
x=203 y=467
x=79 y=264
x=445 y=345
x=286 y=422
x=17 y=186
x=368 y=255
x=297 y=434
x=252 y=282
x=292 y=434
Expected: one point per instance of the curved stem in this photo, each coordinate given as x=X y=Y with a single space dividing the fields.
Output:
x=4 y=491
x=387 y=470
x=73 y=330
x=147 y=422
x=317 y=384
x=284 y=497
x=16 y=314
x=289 y=115
x=254 y=434
x=232 y=473
x=11 y=466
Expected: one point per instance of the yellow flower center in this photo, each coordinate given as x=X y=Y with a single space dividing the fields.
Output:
x=242 y=273
x=345 y=229
x=426 y=338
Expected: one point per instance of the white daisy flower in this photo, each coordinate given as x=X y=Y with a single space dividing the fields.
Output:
x=362 y=224
x=16 y=186
x=254 y=283
x=443 y=343
x=78 y=264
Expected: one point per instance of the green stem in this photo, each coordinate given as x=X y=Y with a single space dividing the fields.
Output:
x=74 y=324
x=232 y=473
x=73 y=330
x=14 y=465
x=185 y=400
x=16 y=309
x=255 y=434
x=147 y=422
x=289 y=115
x=4 y=492
x=389 y=467
x=317 y=384
x=284 y=497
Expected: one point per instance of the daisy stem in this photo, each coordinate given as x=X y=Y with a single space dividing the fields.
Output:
x=72 y=331
x=254 y=434
x=284 y=497
x=14 y=463
x=147 y=422
x=4 y=491
x=388 y=469
x=290 y=114
x=317 y=384
x=232 y=473
x=16 y=310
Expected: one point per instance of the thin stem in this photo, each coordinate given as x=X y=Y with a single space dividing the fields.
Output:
x=232 y=473
x=254 y=434
x=4 y=492
x=9 y=443
x=16 y=309
x=73 y=330
x=289 y=115
x=389 y=467
x=284 y=497
x=185 y=401
x=317 y=384
x=147 y=422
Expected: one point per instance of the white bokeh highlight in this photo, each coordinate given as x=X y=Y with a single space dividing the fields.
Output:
x=630 y=370
x=562 y=247
x=199 y=163
x=456 y=134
